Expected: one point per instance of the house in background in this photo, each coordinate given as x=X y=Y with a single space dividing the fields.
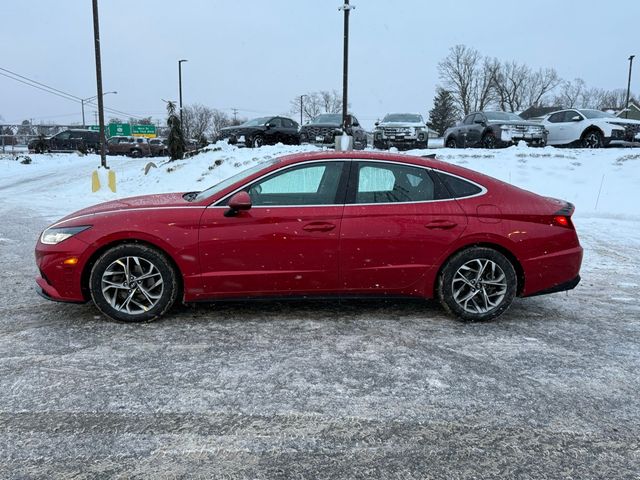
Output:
x=632 y=111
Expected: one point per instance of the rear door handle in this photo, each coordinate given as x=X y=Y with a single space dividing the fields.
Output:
x=319 y=227
x=441 y=225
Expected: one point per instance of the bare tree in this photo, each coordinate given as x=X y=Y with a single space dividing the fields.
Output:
x=457 y=72
x=571 y=93
x=315 y=103
x=510 y=83
x=219 y=120
x=538 y=87
x=197 y=121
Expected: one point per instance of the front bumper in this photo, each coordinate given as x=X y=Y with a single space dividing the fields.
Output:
x=57 y=280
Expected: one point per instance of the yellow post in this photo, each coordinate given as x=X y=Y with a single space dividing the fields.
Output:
x=95 y=181
x=112 y=181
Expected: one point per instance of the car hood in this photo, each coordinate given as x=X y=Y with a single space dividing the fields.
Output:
x=321 y=125
x=163 y=200
x=621 y=121
x=401 y=124
x=514 y=122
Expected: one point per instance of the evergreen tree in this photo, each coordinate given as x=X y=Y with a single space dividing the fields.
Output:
x=444 y=113
x=176 y=137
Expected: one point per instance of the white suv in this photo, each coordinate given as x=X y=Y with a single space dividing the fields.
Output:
x=589 y=128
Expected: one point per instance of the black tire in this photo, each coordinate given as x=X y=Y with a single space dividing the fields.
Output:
x=257 y=141
x=379 y=145
x=451 y=143
x=592 y=139
x=135 y=153
x=422 y=145
x=489 y=140
x=143 y=292
x=470 y=299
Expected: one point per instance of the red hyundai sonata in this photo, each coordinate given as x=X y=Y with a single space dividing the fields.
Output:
x=324 y=225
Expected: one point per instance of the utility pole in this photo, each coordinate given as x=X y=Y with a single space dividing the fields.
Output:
x=235 y=115
x=345 y=65
x=96 y=32
x=301 y=97
x=180 y=86
x=626 y=105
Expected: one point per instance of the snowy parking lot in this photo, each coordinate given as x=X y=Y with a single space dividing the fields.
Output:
x=351 y=389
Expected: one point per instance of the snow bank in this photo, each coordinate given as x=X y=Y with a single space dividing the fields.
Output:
x=602 y=182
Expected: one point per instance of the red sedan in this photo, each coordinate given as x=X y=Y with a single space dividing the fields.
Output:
x=324 y=224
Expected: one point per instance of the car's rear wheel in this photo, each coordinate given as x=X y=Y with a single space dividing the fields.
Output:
x=592 y=139
x=133 y=283
x=477 y=284
x=451 y=143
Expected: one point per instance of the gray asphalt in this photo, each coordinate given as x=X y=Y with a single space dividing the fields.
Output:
x=361 y=390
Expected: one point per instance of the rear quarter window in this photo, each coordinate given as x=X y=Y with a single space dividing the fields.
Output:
x=458 y=187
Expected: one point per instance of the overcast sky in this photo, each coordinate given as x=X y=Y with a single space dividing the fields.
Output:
x=257 y=55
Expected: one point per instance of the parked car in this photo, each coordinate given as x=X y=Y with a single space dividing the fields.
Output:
x=323 y=129
x=130 y=146
x=67 y=141
x=589 y=128
x=262 y=131
x=158 y=147
x=323 y=224
x=493 y=130
x=401 y=130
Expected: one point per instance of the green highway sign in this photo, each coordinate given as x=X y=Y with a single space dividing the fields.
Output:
x=119 y=129
x=148 y=131
x=95 y=128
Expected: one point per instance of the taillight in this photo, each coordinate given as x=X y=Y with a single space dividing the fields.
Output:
x=561 y=221
x=562 y=217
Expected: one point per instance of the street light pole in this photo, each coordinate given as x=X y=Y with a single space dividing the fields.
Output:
x=82 y=100
x=180 y=86
x=301 y=97
x=626 y=105
x=345 y=65
x=96 y=32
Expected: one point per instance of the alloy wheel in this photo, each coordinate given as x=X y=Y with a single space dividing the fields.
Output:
x=132 y=285
x=479 y=286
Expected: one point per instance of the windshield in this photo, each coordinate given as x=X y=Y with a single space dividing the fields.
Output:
x=596 y=114
x=403 y=117
x=256 y=122
x=332 y=118
x=218 y=187
x=504 y=116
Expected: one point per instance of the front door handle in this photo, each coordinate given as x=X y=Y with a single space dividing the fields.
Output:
x=319 y=227
x=441 y=225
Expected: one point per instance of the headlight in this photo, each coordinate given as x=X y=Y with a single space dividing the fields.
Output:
x=53 y=236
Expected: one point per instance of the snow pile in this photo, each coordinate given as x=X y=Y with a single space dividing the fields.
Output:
x=601 y=182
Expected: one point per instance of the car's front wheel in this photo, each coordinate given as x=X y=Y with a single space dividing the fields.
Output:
x=477 y=284
x=451 y=143
x=133 y=283
x=257 y=141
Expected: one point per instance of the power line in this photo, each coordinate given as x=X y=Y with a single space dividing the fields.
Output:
x=54 y=91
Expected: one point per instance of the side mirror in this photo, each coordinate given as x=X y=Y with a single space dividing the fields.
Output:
x=270 y=125
x=356 y=124
x=240 y=201
x=377 y=124
x=481 y=122
x=577 y=118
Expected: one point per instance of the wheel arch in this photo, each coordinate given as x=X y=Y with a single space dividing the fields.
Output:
x=517 y=266
x=88 y=266
x=591 y=128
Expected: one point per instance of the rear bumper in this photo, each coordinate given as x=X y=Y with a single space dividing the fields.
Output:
x=554 y=272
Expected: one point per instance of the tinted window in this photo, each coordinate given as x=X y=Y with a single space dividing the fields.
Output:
x=289 y=123
x=388 y=183
x=312 y=184
x=275 y=122
x=556 y=117
x=458 y=187
x=468 y=120
x=63 y=136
